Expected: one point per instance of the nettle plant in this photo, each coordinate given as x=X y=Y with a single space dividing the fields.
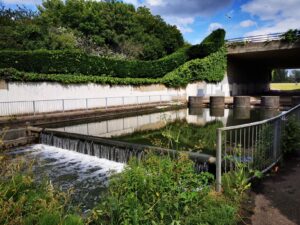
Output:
x=236 y=182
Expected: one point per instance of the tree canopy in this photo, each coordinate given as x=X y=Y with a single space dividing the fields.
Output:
x=109 y=28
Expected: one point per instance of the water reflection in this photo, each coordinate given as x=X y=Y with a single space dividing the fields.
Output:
x=156 y=121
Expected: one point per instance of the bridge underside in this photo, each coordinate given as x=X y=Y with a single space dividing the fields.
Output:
x=249 y=67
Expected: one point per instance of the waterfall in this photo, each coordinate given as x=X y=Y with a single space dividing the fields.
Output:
x=108 y=149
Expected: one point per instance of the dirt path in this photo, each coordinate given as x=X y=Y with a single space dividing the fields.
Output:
x=277 y=197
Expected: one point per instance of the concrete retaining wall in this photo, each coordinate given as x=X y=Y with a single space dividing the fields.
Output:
x=75 y=96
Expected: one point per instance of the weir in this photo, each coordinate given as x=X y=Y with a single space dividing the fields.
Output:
x=116 y=150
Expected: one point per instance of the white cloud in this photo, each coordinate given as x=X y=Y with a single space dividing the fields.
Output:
x=214 y=26
x=247 y=23
x=182 y=23
x=133 y=2
x=156 y=2
x=22 y=2
x=277 y=15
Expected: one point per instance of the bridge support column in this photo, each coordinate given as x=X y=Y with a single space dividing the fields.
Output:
x=195 y=101
x=270 y=102
x=241 y=102
x=217 y=101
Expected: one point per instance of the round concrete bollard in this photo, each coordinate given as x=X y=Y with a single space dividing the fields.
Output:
x=195 y=101
x=295 y=100
x=216 y=112
x=217 y=101
x=241 y=101
x=270 y=102
x=241 y=113
x=196 y=111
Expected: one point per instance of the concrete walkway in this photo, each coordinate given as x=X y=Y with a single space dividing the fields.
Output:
x=277 y=197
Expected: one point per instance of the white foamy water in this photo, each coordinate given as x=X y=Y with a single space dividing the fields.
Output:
x=86 y=175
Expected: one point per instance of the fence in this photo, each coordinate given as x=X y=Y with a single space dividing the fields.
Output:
x=259 y=38
x=258 y=144
x=62 y=105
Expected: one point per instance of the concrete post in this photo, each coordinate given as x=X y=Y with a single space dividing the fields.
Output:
x=241 y=101
x=195 y=101
x=270 y=102
x=217 y=102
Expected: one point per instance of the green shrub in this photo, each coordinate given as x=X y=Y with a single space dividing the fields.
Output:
x=160 y=190
x=24 y=201
x=71 y=62
x=210 y=44
x=210 y=69
x=291 y=135
x=291 y=36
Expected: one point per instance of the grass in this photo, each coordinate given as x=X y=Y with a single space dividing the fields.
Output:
x=285 y=86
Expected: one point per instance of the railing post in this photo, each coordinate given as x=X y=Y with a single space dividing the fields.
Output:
x=219 y=162
x=123 y=103
x=86 y=104
x=34 y=109
x=63 y=105
x=105 y=102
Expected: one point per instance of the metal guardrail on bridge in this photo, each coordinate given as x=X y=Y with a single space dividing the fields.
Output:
x=63 y=105
x=258 y=144
x=259 y=38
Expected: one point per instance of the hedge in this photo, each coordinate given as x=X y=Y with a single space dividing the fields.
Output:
x=68 y=62
x=210 y=69
x=209 y=45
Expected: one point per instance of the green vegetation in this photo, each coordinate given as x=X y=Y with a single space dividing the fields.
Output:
x=291 y=135
x=212 y=43
x=157 y=190
x=67 y=62
x=210 y=68
x=24 y=201
x=163 y=191
x=106 y=28
x=291 y=36
x=179 y=135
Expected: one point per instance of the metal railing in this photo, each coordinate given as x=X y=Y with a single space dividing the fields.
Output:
x=258 y=144
x=62 y=105
x=259 y=38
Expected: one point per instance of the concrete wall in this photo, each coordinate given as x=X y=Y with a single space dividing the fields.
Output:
x=44 y=97
x=18 y=91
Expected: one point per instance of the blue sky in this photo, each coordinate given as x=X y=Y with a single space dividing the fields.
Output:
x=197 y=18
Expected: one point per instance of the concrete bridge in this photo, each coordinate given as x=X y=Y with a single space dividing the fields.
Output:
x=251 y=60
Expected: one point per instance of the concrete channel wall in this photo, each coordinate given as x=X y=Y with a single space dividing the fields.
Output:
x=42 y=97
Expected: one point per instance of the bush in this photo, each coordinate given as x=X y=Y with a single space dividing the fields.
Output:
x=70 y=62
x=162 y=191
x=23 y=201
x=291 y=135
x=209 y=69
x=291 y=36
x=209 y=45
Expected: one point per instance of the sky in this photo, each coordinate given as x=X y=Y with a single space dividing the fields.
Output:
x=197 y=18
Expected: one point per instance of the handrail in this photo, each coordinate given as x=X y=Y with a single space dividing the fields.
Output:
x=259 y=122
x=259 y=38
x=257 y=144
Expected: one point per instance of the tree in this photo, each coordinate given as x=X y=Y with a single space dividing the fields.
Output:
x=295 y=76
x=279 y=76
